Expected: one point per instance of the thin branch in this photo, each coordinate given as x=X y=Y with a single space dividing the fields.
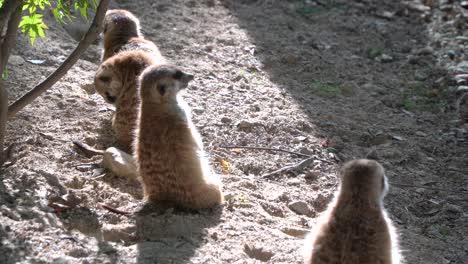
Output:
x=10 y=37
x=426 y=187
x=264 y=148
x=114 y=210
x=296 y=167
x=90 y=36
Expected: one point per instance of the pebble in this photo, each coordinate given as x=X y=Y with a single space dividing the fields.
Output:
x=451 y=54
x=295 y=231
x=16 y=60
x=272 y=209
x=425 y=51
x=461 y=78
x=198 y=111
x=312 y=175
x=300 y=207
x=258 y=252
x=245 y=125
x=421 y=134
x=384 y=58
x=226 y=120
x=462 y=67
x=464 y=4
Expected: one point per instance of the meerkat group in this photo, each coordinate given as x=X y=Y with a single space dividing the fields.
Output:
x=154 y=122
x=151 y=120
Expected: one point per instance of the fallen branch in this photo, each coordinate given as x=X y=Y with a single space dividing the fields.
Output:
x=89 y=38
x=114 y=210
x=88 y=151
x=271 y=149
x=426 y=187
x=292 y=168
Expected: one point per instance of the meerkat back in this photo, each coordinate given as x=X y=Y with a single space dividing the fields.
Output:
x=355 y=228
x=169 y=153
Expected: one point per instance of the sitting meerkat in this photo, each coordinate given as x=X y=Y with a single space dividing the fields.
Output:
x=168 y=149
x=122 y=33
x=355 y=228
x=116 y=81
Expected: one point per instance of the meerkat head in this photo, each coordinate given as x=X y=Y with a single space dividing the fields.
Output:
x=363 y=179
x=107 y=83
x=121 y=23
x=161 y=83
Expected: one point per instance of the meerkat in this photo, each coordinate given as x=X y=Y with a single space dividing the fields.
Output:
x=122 y=33
x=116 y=81
x=168 y=149
x=355 y=228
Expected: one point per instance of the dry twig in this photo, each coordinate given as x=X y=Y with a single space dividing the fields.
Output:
x=114 y=210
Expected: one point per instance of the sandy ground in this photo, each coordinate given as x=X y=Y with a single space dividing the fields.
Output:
x=335 y=79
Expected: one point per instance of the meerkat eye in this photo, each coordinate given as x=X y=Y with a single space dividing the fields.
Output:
x=383 y=183
x=105 y=29
x=104 y=78
x=162 y=89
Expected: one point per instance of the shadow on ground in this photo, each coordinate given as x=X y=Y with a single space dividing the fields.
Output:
x=173 y=237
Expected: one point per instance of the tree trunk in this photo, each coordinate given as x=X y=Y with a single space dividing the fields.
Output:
x=3 y=119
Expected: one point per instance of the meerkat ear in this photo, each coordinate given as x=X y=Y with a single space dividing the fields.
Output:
x=182 y=76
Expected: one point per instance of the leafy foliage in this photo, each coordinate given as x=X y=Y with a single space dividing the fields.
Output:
x=34 y=25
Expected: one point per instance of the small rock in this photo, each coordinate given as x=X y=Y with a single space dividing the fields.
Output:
x=451 y=54
x=425 y=51
x=462 y=88
x=372 y=154
x=226 y=120
x=384 y=58
x=462 y=38
x=290 y=59
x=300 y=207
x=312 y=175
x=464 y=4
x=198 y=110
x=245 y=125
x=16 y=60
x=295 y=231
x=462 y=67
x=118 y=233
x=98 y=172
x=257 y=252
x=272 y=209
x=420 y=134
x=229 y=196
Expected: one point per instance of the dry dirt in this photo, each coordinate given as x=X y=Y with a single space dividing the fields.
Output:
x=334 y=79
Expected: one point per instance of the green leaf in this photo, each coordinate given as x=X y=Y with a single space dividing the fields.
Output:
x=1 y=3
x=5 y=71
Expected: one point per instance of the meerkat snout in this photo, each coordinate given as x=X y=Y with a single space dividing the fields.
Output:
x=161 y=83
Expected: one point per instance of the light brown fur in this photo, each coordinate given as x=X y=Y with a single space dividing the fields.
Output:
x=122 y=33
x=116 y=81
x=355 y=228
x=169 y=152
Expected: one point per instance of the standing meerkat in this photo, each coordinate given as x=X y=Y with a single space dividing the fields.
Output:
x=168 y=149
x=355 y=228
x=122 y=32
x=116 y=81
